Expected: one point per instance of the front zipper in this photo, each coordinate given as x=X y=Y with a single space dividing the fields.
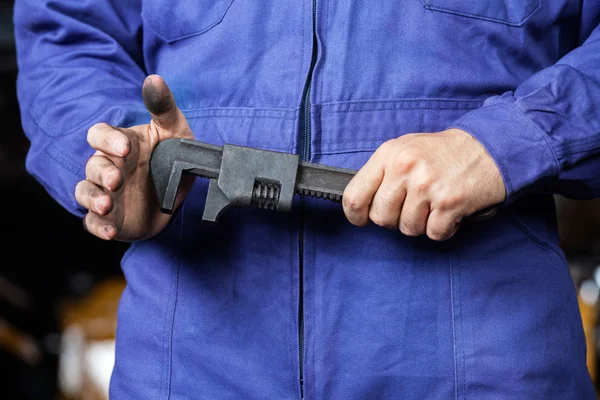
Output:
x=305 y=156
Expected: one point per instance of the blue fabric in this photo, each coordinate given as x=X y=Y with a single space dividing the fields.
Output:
x=211 y=312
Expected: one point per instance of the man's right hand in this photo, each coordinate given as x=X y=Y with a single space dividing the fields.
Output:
x=118 y=190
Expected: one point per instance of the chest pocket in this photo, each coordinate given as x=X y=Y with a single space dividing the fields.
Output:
x=174 y=20
x=508 y=12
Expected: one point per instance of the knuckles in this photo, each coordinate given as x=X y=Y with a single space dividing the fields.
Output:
x=410 y=228
x=440 y=229
x=382 y=220
x=452 y=201
x=422 y=185
x=386 y=146
x=438 y=234
x=404 y=163
x=382 y=210
x=351 y=203
x=353 y=210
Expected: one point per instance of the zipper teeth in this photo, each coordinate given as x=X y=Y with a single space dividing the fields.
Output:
x=300 y=302
x=306 y=150
x=305 y=156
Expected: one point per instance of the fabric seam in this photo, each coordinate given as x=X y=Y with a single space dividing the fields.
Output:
x=174 y=307
x=291 y=326
x=164 y=372
x=484 y=18
x=205 y=29
x=303 y=63
x=584 y=150
x=322 y=153
x=324 y=37
x=402 y=100
x=314 y=330
x=462 y=332
x=251 y=109
x=453 y=324
x=541 y=131
x=54 y=135
x=390 y=109
x=62 y=159
x=535 y=238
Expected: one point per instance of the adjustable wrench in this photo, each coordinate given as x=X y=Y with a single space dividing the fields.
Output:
x=243 y=177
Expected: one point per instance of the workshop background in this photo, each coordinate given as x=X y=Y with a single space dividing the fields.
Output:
x=59 y=286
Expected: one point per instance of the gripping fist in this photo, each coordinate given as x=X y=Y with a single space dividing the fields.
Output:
x=424 y=183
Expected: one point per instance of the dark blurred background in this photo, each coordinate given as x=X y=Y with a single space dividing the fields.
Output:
x=48 y=265
x=59 y=286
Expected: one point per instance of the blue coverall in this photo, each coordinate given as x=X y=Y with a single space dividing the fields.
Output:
x=270 y=305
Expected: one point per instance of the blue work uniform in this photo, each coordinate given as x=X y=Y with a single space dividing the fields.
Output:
x=268 y=305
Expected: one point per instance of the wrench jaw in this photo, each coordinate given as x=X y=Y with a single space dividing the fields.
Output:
x=216 y=203
x=239 y=176
x=172 y=158
x=165 y=173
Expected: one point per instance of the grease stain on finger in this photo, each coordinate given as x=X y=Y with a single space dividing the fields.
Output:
x=156 y=99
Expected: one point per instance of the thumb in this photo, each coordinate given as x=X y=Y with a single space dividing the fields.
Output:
x=161 y=104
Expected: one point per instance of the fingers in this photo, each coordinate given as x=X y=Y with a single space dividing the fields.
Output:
x=99 y=204
x=93 y=198
x=161 y=104
x=359 y=193
x=442 y=225
x=100 y=226
x=422 y=182
x=101 y=171
x=415 y=212
x=388 y=200
x=109 y=140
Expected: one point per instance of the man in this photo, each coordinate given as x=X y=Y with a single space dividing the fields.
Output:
x=446 y=107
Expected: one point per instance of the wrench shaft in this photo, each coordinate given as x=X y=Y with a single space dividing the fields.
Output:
x=243 y=176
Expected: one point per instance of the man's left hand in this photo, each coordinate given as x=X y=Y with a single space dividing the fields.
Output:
x=424 y=183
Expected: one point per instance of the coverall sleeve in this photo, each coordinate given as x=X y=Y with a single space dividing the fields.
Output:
x=79 y=62
x=545 y=135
